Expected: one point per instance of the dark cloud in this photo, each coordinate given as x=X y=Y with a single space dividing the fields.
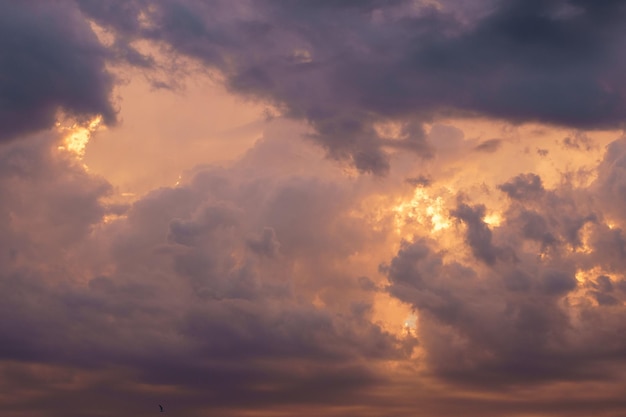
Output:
x=344 y=67
x=523 y=187
x=489 y=146
x=535 y=227
x=266 y=244
x=51 y=61
x=251 y=288
x=578 y=141
x=557 y=282
x=420 y=181
x=478 y=234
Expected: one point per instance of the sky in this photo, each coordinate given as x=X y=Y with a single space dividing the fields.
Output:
x=355 y=208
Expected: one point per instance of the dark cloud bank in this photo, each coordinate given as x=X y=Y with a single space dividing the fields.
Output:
x=343 y=66
x=227 y=292
x=51 y=61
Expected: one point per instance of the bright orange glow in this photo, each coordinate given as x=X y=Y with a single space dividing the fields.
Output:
x=493 y=219
x=77 y=136
x=587 y=275
x=425 y=210
x=394 y=316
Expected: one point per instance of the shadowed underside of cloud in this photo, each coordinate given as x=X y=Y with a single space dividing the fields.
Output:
x=346 y=66
x=51 y=61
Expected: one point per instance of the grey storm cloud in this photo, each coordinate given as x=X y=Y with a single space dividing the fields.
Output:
x=51 y=61
x=344 y=66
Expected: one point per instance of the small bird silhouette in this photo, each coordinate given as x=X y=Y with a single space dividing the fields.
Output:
x=161 y=407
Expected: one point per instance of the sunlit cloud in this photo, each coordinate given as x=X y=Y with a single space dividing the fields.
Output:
x=76 y=137
x=422 y=210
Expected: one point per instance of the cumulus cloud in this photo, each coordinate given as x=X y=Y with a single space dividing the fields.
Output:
x=531 y=316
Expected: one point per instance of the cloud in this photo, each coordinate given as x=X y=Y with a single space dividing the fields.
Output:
x=228 y=283
x=535 y=227
x=345 y=67
x=478 y=234
x=258 y=281
x=266 y=244
x=611 y=178
x=578 y=141
x=52 y=62
x=530 y=317
x=523 y=187
x=282 y=282
x=419 y=181
x=489 y=146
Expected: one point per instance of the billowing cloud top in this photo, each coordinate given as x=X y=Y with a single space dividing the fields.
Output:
x=480 y=271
